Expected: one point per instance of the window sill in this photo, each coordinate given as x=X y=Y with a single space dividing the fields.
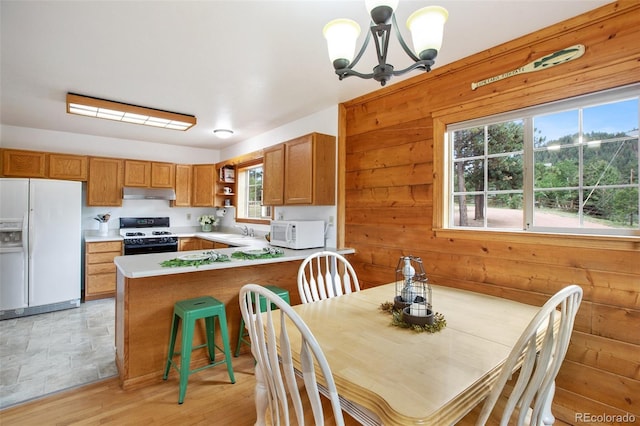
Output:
x=626 y=243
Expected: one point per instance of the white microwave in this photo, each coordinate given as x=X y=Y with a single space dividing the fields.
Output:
x=297 y=234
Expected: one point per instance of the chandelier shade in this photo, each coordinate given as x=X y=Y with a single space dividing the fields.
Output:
x=426 y=26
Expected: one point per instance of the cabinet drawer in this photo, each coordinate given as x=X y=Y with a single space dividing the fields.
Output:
x=101 y=268
x=101 y=257
x=101 y=283
x=114 y=246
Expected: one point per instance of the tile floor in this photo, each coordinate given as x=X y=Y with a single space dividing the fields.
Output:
x=45 y=353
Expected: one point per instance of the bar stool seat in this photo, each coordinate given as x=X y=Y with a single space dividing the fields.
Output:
x=189 y=311
x=242 y=333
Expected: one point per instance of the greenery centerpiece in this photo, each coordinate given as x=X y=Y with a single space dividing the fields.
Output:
x=207 y=222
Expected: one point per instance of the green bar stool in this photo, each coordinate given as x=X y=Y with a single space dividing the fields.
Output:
x=189 y=311
x=242 y=333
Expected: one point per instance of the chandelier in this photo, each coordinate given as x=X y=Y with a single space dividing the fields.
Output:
x=426 y=26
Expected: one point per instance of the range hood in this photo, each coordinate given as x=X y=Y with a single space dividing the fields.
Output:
x=131 y=193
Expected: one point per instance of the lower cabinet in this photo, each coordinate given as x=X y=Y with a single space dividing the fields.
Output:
x=195 y=243
x=100 y=271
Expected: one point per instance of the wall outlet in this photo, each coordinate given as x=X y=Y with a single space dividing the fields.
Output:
x=188 y=216
x=330 y=220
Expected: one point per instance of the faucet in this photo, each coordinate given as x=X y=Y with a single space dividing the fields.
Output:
x=245 y=230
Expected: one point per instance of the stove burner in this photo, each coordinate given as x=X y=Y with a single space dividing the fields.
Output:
x=161 y=233
x=134 y=234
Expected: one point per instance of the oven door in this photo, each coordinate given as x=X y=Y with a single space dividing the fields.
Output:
x=149 y=248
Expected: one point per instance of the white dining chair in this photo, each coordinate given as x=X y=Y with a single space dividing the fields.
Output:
x=535 y=386
x=326 y=274
x=277 y=390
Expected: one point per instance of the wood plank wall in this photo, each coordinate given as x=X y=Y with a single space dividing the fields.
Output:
x=390 y=199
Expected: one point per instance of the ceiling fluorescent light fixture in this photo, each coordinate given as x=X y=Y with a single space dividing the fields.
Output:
x=426 y=26
x=111 y=110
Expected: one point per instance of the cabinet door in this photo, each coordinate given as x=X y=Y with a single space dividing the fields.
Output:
x=188 y=243
x=183 y=186
x=298 y=172
x=273 y=184
x=68 y=167
x=137 y=173
x=104 y=183
x=27 y=164
x=203 y=185
x=163 y=175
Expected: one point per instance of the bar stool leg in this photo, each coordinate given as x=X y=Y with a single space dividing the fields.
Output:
x=222 y=320
x=185 y=355
x=211 y=337
x=172 y=343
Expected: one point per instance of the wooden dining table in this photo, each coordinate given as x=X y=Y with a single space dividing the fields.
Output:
x=389 y=375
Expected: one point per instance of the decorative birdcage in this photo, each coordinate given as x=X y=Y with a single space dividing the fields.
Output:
x=413 y=292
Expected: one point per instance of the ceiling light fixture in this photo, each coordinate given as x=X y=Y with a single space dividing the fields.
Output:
x=223 y=133
x=426 y=26
x=111 y=110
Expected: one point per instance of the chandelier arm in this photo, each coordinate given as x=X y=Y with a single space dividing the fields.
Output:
x=424 y=65
x=382 y=42
x=401 y=40
x=361 y=52
x=348 y=72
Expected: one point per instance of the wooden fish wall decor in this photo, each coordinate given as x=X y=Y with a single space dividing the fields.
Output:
x=548 y=61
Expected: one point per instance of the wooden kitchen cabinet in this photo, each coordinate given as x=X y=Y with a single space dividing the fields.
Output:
x=104 y=183
x=195 y=243
x=25 y=164
x=202 y=194
x=68 y=167
x=163 y=175
x=302 y=171
x=184 y=177
x=137 y=173
x=100 y=271
x=273 y=178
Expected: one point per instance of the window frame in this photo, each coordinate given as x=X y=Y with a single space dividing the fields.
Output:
x=444 y=194
x=241 y=193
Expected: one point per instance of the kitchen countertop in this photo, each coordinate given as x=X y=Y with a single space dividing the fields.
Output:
x=231 y=238
x=148 y=265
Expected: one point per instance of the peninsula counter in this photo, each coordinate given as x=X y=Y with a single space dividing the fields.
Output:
x=146 y=293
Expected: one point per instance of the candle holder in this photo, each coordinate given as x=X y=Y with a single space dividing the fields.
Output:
x=413 y=292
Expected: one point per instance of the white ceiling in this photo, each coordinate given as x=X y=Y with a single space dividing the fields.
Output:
x=247 y=65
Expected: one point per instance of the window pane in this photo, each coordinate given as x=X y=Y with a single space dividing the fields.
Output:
x=468 y=143
x=469 y=176
x=556 y=168
x=611 y=163
x=468 y=210
x=505 y=137
x=555 y=129
x=505 y=173
x=611 y=208
x=505 y=211
x=557 y=209
x=610 y=120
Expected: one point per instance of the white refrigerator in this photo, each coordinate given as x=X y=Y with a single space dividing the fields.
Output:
x=40 y=246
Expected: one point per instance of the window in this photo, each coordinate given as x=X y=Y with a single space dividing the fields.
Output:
x=249 y=190
x=570 y=166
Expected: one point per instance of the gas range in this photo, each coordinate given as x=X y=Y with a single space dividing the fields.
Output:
x=147 y=235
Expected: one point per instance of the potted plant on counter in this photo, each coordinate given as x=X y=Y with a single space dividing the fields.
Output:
x=207 y=222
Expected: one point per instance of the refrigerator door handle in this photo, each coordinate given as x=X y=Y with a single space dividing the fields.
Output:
x=27 y=225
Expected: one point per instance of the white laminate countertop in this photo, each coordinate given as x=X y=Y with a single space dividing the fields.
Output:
x=235 y=239
x=148 y=265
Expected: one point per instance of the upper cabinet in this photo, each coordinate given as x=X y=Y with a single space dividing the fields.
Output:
x=184 y=178
x=147 y=174
x=104 y=185
x=68 y=167
x=36 y=164
x=303 y=173
x=202 y=194
x=273 y=185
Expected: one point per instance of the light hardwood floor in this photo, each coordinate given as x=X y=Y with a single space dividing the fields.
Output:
x=211 y=399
